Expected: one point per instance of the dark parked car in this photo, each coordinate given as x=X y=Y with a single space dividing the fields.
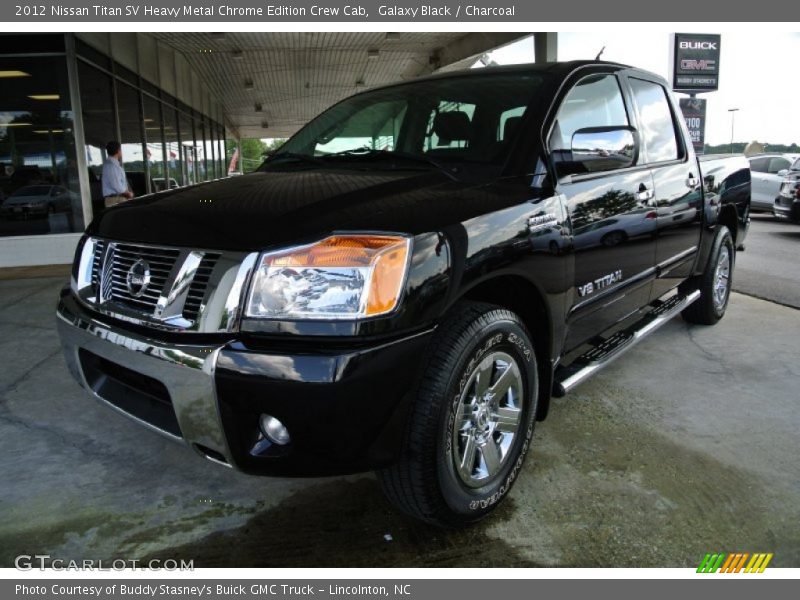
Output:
x=787 y=204
x=38 y=201
x=401 y=287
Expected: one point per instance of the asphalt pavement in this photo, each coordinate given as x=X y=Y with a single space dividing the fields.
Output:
x=769 y=268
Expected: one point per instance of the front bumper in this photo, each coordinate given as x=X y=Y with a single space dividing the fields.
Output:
x=345 y=407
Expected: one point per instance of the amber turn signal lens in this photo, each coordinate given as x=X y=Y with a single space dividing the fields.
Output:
x=381 y=258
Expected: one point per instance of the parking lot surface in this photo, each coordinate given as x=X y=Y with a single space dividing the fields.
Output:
x=770 y=266
x=686 y=445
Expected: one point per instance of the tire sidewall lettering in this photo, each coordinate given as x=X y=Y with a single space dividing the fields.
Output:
x=524 y=354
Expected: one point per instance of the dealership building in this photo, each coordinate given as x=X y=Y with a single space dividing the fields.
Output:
x=178 y=103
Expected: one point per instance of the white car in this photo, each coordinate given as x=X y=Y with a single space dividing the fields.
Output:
x=768 y=172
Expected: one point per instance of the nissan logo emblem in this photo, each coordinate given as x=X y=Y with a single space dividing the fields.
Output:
x=138 y=278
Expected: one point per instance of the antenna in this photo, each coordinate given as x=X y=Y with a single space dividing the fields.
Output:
x=599 y=54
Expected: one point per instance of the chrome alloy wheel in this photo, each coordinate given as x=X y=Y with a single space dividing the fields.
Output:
x=487 y=419
x=722 y=277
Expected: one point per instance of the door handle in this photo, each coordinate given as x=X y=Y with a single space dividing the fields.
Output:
x=692 y=182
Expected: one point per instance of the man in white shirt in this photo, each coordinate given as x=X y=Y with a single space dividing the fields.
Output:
x=115 y=183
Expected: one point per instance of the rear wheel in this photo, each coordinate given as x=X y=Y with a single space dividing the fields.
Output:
x=472 y=419
x=714 y=283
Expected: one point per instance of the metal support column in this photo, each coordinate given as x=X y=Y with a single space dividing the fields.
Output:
x=545 y=46
x=77 y=129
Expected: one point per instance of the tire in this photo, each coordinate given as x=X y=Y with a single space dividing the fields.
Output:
x=477 y=346
x=714 y=283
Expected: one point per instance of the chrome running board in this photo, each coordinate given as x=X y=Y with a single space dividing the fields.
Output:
x=607 y=350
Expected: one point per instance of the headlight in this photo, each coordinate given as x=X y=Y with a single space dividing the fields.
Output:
x=340 y=277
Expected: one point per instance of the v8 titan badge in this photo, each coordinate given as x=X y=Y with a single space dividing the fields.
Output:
x=590 y=287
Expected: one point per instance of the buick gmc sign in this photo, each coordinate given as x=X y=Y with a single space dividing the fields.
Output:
x=695 y=62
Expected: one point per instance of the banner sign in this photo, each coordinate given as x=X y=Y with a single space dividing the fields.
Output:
x=142 y=588
x=695 y=62
x=344 y=11
x=694 y=113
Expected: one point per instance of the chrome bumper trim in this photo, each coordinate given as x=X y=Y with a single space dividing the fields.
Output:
x=187 y=371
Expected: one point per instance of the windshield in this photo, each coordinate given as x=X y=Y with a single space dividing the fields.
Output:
x=796 y=165
x=468 y=119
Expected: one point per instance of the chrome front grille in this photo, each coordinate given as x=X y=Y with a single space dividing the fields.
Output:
x=197 y=291
x=97 y=261
x=178 y=289
x=161 y=262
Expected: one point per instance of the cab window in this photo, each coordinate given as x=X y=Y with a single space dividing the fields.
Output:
x=759 y=165
x=777 y=163
x=595 y=101
x=657 y=126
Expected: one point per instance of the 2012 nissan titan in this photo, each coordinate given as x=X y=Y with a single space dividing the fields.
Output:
x=407 y=282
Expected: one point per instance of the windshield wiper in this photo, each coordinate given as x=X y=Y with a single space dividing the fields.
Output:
x=373 y=153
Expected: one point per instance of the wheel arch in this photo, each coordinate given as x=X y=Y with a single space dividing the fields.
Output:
x=524 y=298
x=729 y=217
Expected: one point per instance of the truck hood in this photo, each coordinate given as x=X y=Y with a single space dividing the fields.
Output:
x=266 y=209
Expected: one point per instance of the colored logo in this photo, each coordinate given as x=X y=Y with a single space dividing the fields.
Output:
x=738 y=562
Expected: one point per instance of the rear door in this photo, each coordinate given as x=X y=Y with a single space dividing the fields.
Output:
x=759 y=194
x=773 y=181
x=676 y=179
x=612 y=222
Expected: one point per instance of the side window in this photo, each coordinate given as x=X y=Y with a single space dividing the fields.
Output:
x=595 y=101
x=449 y=126
x=759 y=165
x=658 y=128
x=777 y=163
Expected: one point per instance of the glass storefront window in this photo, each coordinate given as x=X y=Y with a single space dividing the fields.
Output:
x=165 y=143
x=200 y=147
x=211 y=151
x=173 y=148
x=154 y=150
x=223 y=168
x=188 y=148
x=99 y=124
x=39 y=189
x=130 y=127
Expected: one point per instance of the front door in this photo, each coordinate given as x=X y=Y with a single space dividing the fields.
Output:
x=613 y=222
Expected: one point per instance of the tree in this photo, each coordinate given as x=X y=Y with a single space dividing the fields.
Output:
x=273 y=145
x=251 y=153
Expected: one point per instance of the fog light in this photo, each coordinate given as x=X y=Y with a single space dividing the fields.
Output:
x=274 y=430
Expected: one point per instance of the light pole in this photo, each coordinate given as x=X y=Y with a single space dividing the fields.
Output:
x=733 y=118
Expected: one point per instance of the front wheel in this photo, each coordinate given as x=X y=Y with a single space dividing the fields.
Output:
x=714 y=283
x=472 y=419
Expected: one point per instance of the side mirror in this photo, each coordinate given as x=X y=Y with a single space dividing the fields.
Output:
x=604 y=148
x=782 y=173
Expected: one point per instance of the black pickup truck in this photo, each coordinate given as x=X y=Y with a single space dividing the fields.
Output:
x=410 y=279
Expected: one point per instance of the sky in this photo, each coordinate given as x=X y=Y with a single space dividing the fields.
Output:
x=762 y=85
